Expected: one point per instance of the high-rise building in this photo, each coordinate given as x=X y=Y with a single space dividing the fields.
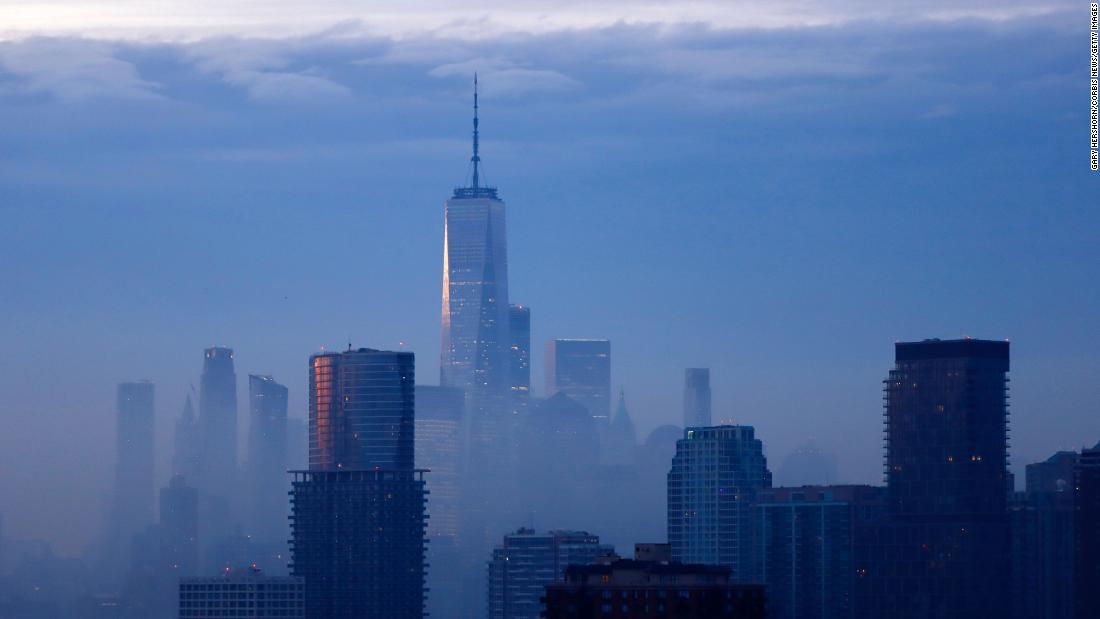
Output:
x=358 y=514
x=474 y=353
x=526 y=562
x=804 y=546
x=218 y=422
x=243 y=593
x=558 y=456
x=361 y=410
x=697 y=411
x=187 y=443
x=1086 y=523
x=267 y=458
x=519 y=355
x=581 y=369
x=475 y=356
x=716 y=475
x=179 y=528
x=944 y=548
x=651 y=588
x=439 y=449
x=133 y=503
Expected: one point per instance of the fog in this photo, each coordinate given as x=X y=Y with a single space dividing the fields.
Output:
x=777 y=205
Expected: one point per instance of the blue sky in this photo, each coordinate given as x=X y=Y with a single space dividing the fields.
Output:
x=776 y=190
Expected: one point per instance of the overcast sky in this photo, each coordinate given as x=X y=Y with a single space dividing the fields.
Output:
x=776 y=190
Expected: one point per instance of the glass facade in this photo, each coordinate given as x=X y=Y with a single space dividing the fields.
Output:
x=715 y=477
x=361 y=410
x=218 y=423
x=581 y=369
x=358 y=514
x=475 y=334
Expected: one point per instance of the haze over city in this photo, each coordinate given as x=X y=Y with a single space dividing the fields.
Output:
x=776 y=191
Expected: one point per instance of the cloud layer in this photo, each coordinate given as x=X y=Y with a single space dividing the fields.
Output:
x=470 y=20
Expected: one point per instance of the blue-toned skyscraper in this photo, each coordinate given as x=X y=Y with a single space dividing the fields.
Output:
x=697 y=397
x=474 y=353
x=218 y=423
x=132 y=508
x=581 y=369
x=267 y=463
x=715 y=477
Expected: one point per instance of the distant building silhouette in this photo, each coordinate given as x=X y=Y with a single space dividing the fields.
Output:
x=697 y=406
x=614 y=587
x=267 y=458
x=527 y=561
x=187 y=443
x=358 y=514
x=1041 y=520
x=944 y=549
x=558 y=455
x=804 y=546
x=439 y=449
x=581 y=369
x=133 y=501
x=179 y=528
x=1086 y=507
x=622 y=441
x=716 y=475
x=243 y=593
x=218 y=423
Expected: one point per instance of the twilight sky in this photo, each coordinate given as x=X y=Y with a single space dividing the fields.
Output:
x=776 y=190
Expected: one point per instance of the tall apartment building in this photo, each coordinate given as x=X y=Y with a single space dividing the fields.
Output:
x=716 y=475
x=526 y=561
x=358 y=514
x=944 y=548
x=804 y=545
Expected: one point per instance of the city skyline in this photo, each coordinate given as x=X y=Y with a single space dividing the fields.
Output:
x=762 y=335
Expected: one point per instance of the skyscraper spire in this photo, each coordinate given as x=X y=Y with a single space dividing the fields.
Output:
x=475 y=159
x=475 y=190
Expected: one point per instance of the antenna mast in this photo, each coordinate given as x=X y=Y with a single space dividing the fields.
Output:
x=475 y=159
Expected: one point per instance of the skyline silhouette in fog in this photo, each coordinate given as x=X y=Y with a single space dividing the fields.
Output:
x=780 y=206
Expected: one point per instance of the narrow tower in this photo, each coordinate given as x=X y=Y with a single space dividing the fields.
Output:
x=475 y=335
